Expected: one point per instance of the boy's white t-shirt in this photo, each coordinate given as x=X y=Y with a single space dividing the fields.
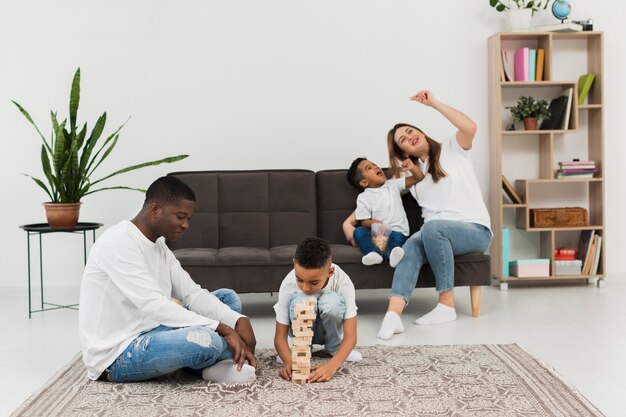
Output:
x=126 y=290
x=457 y=196
x=338 y=282
x=385 y=204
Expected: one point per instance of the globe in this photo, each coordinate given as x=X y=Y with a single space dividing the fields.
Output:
x=561 y=9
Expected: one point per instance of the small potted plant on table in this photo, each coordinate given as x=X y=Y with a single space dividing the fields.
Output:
x=530 y=111
x=69 y=158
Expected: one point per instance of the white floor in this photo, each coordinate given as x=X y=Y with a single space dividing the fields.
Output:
x=578 y=329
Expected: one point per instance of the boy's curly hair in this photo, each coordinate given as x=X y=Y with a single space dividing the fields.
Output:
x=312 y=253
x=354 y=175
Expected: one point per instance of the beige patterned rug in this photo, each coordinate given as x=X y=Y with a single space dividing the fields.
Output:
x=462 y=380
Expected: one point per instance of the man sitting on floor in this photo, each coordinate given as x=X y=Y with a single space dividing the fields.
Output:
x=132 y=326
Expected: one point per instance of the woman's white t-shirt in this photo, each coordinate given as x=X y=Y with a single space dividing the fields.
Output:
x=456 y=196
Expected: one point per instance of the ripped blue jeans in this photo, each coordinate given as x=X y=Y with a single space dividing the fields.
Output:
x=163 y=350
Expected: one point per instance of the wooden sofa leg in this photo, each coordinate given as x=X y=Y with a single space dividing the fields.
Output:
x=475 y=298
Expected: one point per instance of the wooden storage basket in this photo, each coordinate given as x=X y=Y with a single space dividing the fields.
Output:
x=559 y=217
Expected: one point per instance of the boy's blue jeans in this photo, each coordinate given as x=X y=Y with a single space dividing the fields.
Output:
x=437 y=242
x=163 y=350
x=363 y=238
x=328 y=325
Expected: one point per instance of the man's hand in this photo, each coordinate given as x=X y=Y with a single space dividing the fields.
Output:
x=243 y=327
x=238 y=347
x=285 y=372
x=323 y=372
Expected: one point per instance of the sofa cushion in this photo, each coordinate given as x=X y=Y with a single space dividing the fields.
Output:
x=262 y=209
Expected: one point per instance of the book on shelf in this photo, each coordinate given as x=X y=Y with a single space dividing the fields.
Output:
x=591 y=254
x=565 y=254
x=568 y=267
x=510 y=191
x=560 y=175
x=540 y=59
x=569 y=92
x=521 y=64
x=577 y=161
x=584 y=244
x=584 y=84
x=560 y=27
x=557 y=111
x=532 y=64
x=507 y=66
x=596 y=260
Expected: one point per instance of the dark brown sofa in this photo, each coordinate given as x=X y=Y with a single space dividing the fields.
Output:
x=247 y=224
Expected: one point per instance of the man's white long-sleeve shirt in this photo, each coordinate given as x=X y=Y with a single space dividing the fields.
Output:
x=126 y=290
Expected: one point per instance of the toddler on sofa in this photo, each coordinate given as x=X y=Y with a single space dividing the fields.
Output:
x=381 y=202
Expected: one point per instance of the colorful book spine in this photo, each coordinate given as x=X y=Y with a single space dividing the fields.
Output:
x=532 y=64
x=521 y=64
x=540 y=59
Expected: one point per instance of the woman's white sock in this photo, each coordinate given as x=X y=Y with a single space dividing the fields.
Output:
x=440 y=314
x=392 y=324
x=226 y=371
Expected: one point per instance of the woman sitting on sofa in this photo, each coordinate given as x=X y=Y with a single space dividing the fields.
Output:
x=456 y=220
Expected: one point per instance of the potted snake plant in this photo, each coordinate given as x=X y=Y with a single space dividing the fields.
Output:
x=70 y=158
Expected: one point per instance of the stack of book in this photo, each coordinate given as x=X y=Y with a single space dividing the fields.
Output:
x=566 y=262
x=523 y=64
x=576 y=169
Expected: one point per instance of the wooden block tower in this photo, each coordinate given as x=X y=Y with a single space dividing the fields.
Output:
x=302 y=338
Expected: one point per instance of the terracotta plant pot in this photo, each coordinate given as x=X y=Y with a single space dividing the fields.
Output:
x=62 y=215
x=530 y=123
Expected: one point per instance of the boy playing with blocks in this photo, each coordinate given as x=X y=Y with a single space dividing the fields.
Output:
x=329 y=290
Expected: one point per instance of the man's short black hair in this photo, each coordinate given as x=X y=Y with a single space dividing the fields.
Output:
x=312 y=253
x=167 y=189
x=354 y=174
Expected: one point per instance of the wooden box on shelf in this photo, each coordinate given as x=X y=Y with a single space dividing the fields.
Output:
x=559 y=217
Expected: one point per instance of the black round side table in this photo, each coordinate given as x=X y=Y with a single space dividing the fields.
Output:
x=41 y=229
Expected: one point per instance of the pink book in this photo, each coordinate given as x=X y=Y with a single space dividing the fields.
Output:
x=521 y=64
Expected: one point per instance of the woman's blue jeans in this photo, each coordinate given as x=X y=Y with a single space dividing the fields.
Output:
x=328 y=325
x=437 y=242
x=163 y=350
x=363 y=238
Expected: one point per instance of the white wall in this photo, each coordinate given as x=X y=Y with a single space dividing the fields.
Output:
x=249 y=85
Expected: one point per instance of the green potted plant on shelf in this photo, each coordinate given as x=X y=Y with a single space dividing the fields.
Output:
x=519 y=12
x=70 y=158
x=530 y=111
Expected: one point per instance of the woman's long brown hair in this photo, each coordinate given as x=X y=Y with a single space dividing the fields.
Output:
x=396 y=154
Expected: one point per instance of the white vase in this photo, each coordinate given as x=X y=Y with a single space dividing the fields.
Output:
x=518 y=20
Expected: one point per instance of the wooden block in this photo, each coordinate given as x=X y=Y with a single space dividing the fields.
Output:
x=304 y=341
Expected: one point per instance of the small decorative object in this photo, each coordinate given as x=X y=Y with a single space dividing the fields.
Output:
x=70 y=157
x=561 y=9
x=530 y=111
x=519 y=12
x=587 y=24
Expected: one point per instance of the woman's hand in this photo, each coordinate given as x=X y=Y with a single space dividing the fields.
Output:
x=285 y=372
x=425 y=97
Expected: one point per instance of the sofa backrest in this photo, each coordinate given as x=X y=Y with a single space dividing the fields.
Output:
x=264 y=208
x=336 y=199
